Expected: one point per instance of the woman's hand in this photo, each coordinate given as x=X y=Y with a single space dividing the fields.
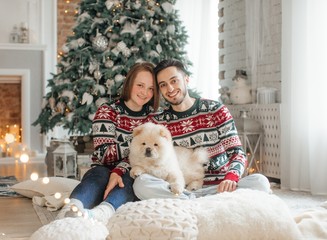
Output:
x=227 y=186
x=114 y=180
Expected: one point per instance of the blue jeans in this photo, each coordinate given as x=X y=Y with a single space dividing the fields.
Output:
x=147 y=186
x=91 y=189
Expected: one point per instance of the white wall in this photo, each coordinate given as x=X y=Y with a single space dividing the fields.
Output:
x=15 y=12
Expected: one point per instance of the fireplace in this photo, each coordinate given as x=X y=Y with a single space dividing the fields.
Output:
x=25 y=66
x=14 y=103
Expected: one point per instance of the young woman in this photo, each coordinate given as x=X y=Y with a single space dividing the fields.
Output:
x=108 y=185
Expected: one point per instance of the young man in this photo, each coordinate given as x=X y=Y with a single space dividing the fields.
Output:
x=196 y=122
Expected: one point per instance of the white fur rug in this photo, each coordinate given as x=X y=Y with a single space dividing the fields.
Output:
x=299 y=202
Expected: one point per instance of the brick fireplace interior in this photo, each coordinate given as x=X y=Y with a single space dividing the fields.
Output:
x=10 y=105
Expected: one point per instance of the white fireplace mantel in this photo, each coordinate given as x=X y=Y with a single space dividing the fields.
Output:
x=22 y=46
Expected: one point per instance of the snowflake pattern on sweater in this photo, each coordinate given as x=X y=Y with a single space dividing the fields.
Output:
x=208 y=124
x=112 y=128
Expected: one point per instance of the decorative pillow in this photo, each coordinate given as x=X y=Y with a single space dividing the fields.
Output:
x=245 y=214
x=154 y=219
x=31 y=188
x=71 y=229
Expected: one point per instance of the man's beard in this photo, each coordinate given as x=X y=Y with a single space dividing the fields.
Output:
x=178 y=101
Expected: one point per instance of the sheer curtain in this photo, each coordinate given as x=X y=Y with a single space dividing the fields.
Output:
x=304 y=97
x=200 y=19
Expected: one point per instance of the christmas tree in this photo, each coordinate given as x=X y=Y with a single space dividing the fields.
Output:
x=109 y=37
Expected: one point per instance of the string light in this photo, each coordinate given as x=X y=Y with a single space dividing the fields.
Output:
x=34 y=176
x=45 y=180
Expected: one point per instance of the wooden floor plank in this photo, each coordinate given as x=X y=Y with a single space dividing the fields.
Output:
x=18 y=219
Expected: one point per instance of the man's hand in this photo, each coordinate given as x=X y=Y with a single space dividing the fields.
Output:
x=227 y=186
x=114 y=180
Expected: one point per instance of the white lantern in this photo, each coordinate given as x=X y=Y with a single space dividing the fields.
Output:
x=64 y=160
x=251 y=135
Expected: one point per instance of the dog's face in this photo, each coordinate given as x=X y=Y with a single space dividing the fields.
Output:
x=150 y=142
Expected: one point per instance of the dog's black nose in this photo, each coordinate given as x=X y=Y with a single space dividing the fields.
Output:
x=148 y=152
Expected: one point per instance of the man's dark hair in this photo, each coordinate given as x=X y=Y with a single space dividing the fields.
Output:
x=169 y=63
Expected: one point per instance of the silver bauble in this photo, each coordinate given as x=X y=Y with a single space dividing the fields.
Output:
x=100 y=43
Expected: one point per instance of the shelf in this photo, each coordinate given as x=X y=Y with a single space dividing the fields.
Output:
x=22 y=46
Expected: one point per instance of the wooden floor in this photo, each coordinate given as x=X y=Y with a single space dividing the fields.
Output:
x=18 y=219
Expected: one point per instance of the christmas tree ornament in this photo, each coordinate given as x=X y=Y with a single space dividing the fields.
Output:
x=122 y=19
x=119 y=78
x=109 y=63
x=65 y=48
x=99 y=89
x=81 y=42
x=87 y=98
x=130 y=28
x=151 y=13
x=126 y=52
x=74 y=44
x=137 y=4
x=167 y=7
x=134 y=49
x=154 y=54
x=171 y=29
x=52 y=102
x=109 y=84
x=115 y=51
x=80 y=70
x=109 y=4
x=121 y=46
x=60 y=107
x=154 y=26
x=100 y=43
x=68 y=93
x=159 y=48
x=93 y=65
x=147 y=36
x=151 y=3
x=81 y=18
x=97 y=75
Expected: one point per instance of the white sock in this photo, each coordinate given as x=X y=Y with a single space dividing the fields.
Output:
x=69 y=207
x=103 y=212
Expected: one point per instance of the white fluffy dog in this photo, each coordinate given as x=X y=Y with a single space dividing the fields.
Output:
x=152 y=152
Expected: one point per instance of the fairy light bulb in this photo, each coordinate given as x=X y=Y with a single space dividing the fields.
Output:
x=74 y=208
x=9 y=138
x=57 y=195
x=24 y=158
x=34 y=176
x=45 y=180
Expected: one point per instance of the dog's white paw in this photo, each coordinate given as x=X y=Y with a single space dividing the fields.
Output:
x=194 y=185
x=176 y=188
x=135 y=172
